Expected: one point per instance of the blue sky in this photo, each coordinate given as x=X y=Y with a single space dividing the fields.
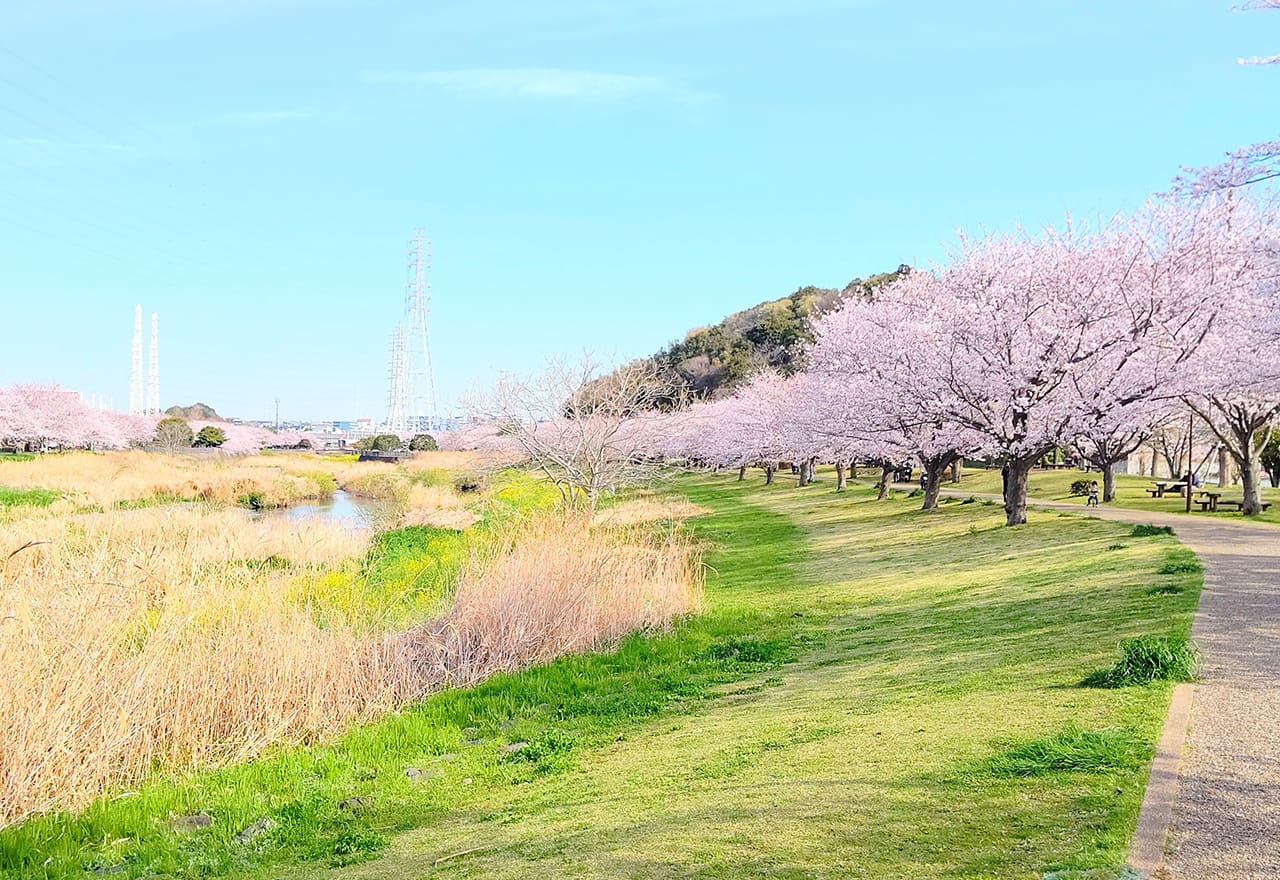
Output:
x=593 y=173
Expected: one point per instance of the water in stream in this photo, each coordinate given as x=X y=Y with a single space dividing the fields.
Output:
x=342 y=509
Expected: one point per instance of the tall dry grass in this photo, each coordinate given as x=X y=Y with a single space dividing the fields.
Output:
x=553 y=586
x=106 y=478
x=134 y=638
x=161 y=637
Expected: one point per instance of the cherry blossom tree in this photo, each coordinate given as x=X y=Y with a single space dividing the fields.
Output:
x=877 y=418
x=42 y=417
x=578 y=426
x=1018 y=338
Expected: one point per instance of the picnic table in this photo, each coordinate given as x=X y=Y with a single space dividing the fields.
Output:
x=1163 y=486
x=1208 y=501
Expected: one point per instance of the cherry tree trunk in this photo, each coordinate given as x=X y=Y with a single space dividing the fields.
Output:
x=957 y=467
x=742 y=473
x=806 y=472
x=935 y=469
x=1249 y=481
x=1224 y=467
x=1109 y=481
x=1015 y=500
x=853 y=469
x=840 y=478
x=768 y=473
x=886 y=474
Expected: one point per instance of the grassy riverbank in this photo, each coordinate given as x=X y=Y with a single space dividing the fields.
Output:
x=872 y=692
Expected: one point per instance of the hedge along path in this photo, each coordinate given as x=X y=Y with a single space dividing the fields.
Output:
x=1225 y=805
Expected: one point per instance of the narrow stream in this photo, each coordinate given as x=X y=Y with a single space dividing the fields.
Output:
x=342 y=509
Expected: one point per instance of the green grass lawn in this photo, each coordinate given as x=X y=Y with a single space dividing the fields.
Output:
x=872 y=692
x=1131 y=492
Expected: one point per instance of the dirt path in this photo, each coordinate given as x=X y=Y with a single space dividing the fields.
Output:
x=1226 y=801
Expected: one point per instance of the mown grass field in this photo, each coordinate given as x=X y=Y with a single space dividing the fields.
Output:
x=1055 y=485
x=872 y=692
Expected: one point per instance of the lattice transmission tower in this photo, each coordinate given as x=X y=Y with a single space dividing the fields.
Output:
x=153 y=367
x=136 y=400
x=412 y=398
x=398 y=401
x=422 y=386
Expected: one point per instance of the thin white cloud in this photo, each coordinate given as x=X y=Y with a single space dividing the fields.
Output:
x=48 y=153
x=535 y=83
x=265 y=117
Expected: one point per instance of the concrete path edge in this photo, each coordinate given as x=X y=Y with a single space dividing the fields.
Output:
x=1146 y=849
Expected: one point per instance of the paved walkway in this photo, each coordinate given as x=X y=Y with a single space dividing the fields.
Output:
x=1226 y=803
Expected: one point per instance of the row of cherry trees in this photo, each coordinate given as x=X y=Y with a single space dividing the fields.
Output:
x=42 y=417
x=1021 y=344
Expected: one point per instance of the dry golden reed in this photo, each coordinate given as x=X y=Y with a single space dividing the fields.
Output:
x=173 y=636
x=555 y=585
x=105 y=478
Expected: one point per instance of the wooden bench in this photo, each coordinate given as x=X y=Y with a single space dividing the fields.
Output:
x=1238 y=503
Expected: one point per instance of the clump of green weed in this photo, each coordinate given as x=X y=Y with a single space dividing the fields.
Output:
x=27 y=497
x=551 y=752
x=1071 y=751
x=1146 y=530
x=970 y=500
x=270 y=563
x=354 y=845
x=915 y=493
x=1117 y=546
x=326 y=484
x=745 y=649
x=1180 y=562
x=252 y=500
x=1147 y=659
x=1166 y=590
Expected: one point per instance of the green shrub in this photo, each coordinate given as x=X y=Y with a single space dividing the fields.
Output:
x=1149 y=531
x=252 y=500
x=378 y=443
x=17 y=456
x=210 y=436
x=1072 y=751
x=174 y=433
x=423 y=443
x=1079 y=487
x=1147 y=659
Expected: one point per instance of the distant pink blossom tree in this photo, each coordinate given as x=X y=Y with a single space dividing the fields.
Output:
x=42 y=417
